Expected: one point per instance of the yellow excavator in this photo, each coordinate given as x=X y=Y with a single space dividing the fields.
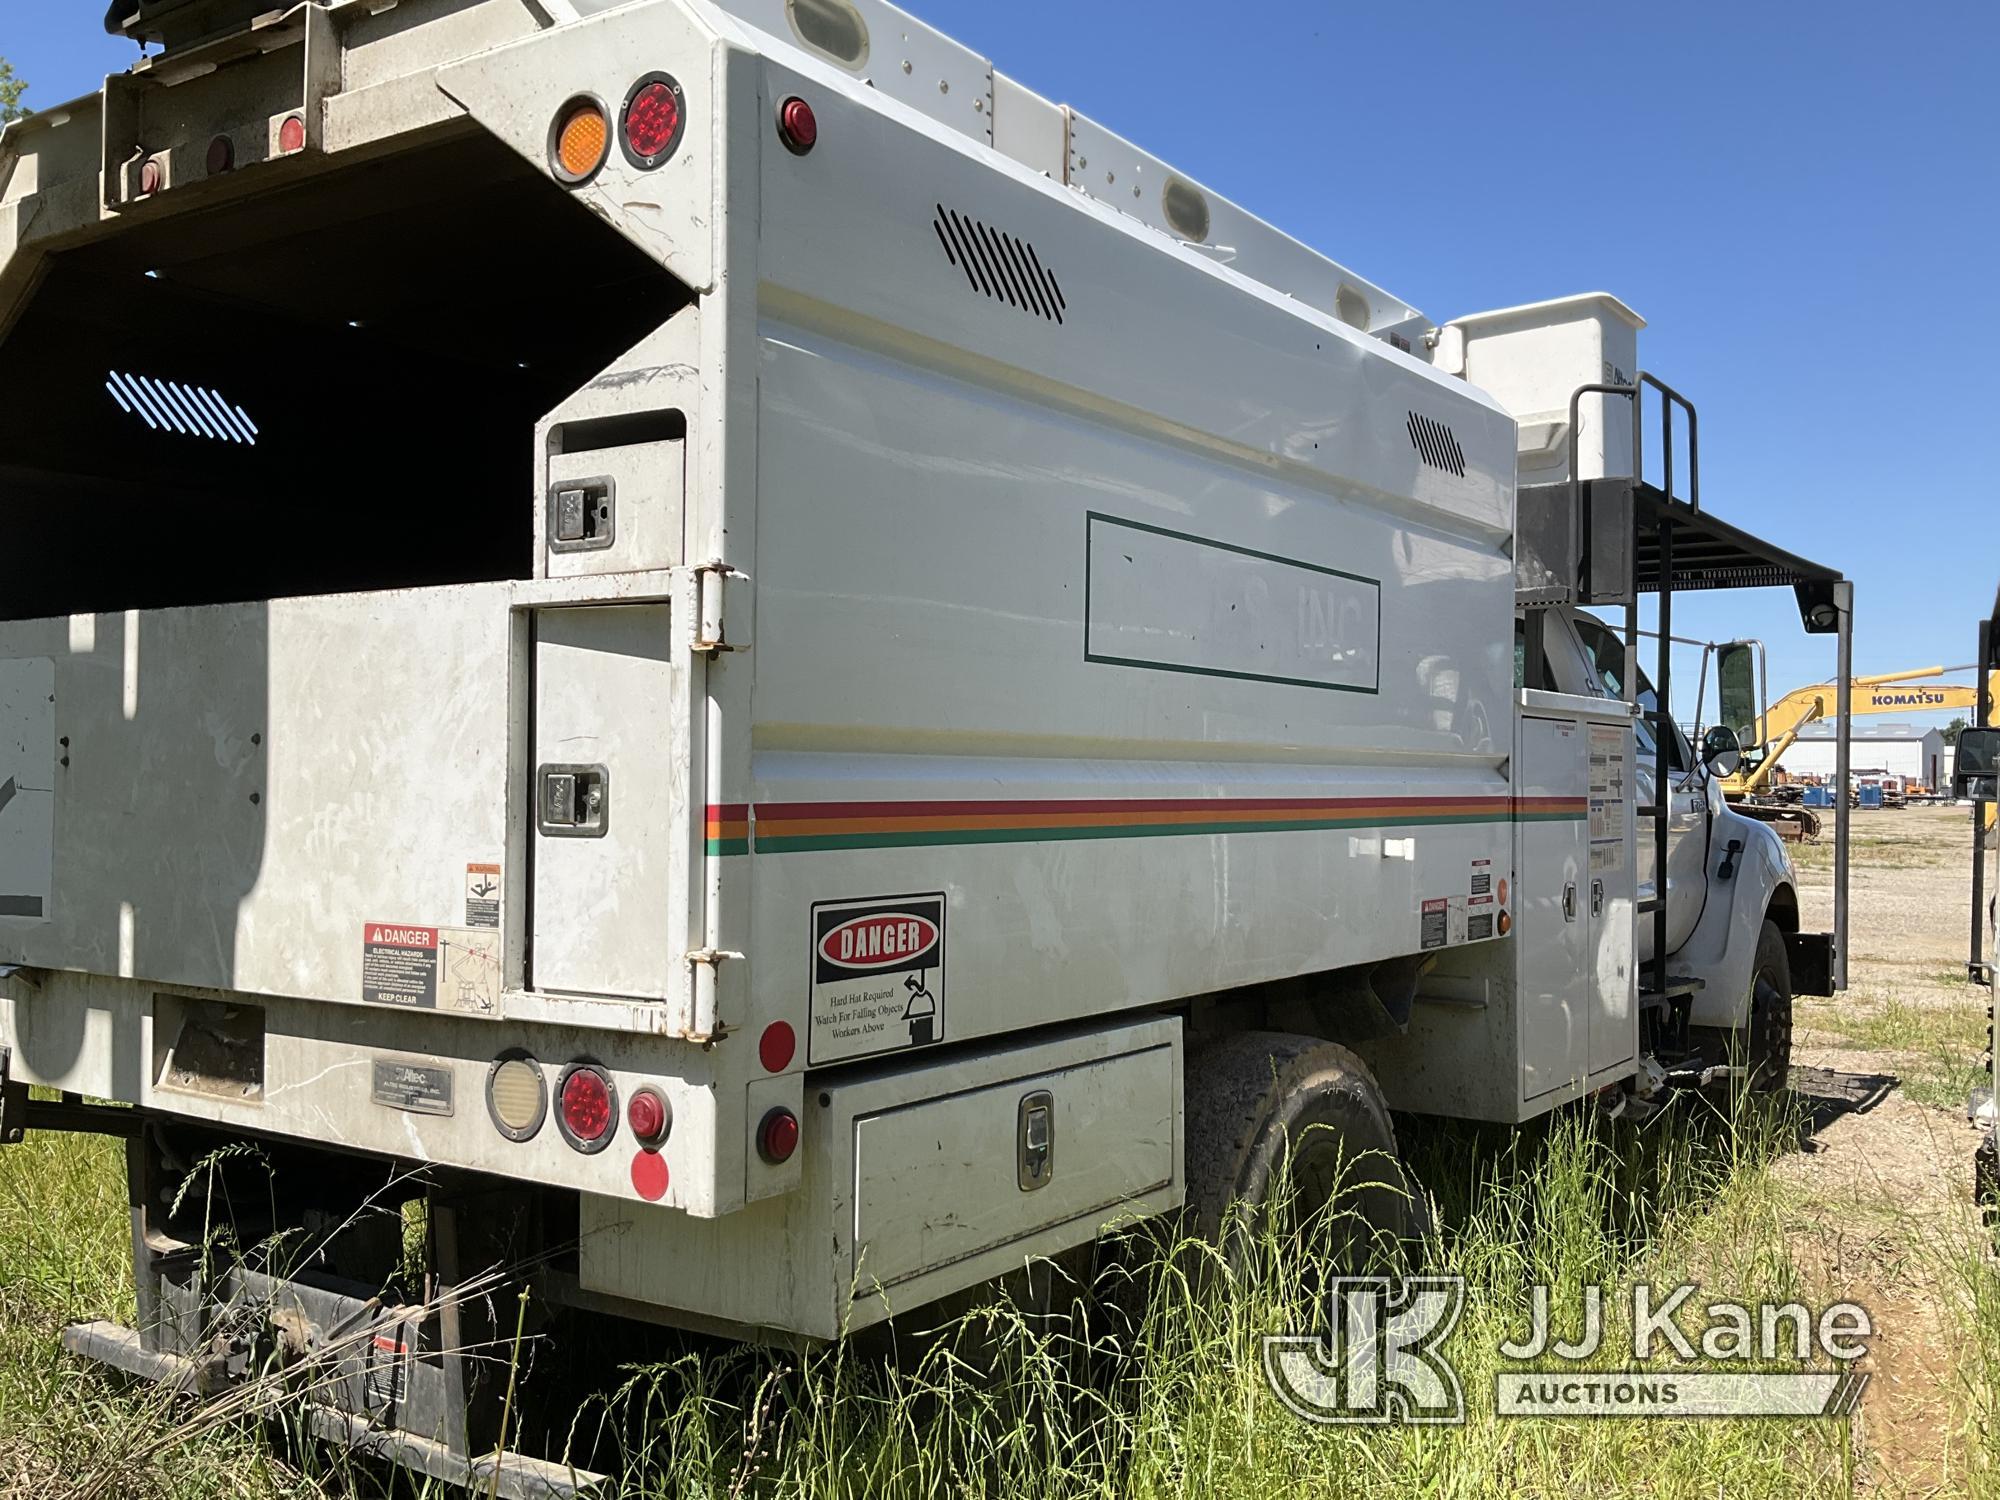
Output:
x=1883 y=693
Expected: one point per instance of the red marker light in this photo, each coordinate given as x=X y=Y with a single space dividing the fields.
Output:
x=798 y=126
x=654 y=118
x=292 y=135
x=586 y=1108
x=648 y=1116
x=151 y=177
x=778 y=1136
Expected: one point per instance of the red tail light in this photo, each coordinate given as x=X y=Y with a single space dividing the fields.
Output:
x=655 y=116
x=586 y=1107
x=778 y=1136
x=798 y=126
x=649 y=1116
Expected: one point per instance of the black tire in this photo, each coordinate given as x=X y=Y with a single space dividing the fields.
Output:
x=1297 y=1125
x=1767 y=1043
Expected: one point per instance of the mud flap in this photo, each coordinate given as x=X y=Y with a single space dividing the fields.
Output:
x=13 y=1102
x=1811 y=958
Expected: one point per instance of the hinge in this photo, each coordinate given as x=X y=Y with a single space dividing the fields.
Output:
x=711 y=631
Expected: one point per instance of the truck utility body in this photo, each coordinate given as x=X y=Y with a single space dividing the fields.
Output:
x=718 y=615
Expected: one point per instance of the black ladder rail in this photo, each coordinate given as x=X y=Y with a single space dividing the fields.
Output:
x=1662 y=805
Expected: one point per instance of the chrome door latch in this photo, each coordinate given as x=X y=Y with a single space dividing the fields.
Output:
x=573 y=802
x=1035 y=1140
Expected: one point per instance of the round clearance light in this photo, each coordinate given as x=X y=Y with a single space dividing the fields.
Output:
x=579 y=141
x=650 y=1116
x=586 y=1107
x=515 y=1098
x=798 y=126
x=292 y=135
x=655 y=116
x=778 y=1136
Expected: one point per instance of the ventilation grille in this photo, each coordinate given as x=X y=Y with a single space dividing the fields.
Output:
x=997 y=264
x=189 y=410
x=1436 y=445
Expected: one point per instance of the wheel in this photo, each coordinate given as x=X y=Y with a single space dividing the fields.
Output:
x=1767 y=1047
x=1290 y=1136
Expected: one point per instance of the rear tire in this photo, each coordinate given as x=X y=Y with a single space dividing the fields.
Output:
x=1295 y=1126
x=1767 y=1039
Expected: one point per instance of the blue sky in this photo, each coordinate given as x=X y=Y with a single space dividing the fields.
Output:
x=1800 y=199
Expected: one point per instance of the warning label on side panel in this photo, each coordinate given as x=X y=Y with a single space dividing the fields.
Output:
x=482 y=895
x=1432 y=931
x=1607 y=797
x=877 y=976
x=399 y=965
x=469 y=970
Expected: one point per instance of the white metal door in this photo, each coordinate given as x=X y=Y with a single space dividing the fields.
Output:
x=1551 y=911
x=607 y=804
x=1687 y=849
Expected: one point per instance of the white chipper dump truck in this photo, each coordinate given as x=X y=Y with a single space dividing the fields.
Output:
x=783 y=674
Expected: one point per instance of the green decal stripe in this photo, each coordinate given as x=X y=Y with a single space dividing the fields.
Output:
x=729 y=846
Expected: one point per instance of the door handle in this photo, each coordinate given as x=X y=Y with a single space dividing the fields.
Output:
x=1569 y=902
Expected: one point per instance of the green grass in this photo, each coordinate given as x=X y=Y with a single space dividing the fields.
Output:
x=1940 y=1046
x=1153 y=1388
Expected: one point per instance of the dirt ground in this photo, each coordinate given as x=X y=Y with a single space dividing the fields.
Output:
x=1883 y=1189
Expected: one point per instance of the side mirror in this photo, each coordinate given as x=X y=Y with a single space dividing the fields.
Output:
x=1975 y=770
x=1740 y=704
x=1721 y=751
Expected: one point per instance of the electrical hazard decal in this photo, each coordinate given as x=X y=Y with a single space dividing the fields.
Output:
x=399 y=965
x=423 y=968
x=877 y=976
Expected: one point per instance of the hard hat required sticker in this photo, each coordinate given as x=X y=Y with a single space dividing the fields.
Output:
x=875 y=976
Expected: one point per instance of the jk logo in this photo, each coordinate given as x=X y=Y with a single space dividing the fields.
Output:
x=1380 y=1361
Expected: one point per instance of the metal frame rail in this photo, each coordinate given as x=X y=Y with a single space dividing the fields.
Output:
x=1977 y=967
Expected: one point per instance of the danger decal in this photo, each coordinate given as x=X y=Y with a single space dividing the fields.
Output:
x=425 y=968
x=399 y=965
x=877 y=976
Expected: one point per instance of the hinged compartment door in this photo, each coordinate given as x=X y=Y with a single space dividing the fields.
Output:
x=607 y=810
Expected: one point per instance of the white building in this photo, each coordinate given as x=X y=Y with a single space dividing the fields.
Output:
x=1908 y=750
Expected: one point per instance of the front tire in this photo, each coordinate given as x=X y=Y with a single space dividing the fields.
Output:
x=1767 y=1039
x=1290 y=1137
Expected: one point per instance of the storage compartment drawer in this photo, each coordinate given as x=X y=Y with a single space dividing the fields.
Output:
x=940 y=1181
x=913 y=1186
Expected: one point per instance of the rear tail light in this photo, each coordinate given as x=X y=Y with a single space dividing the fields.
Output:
x=650 y=1116
x=579 y=141
x=654 y=117
x=778 y=1136
x=516 y=1101
x=586 y=1107
x=798 y=126
x=292 y=135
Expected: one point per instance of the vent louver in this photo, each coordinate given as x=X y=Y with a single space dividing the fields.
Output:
x=1436 y=444
x=999 y=265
